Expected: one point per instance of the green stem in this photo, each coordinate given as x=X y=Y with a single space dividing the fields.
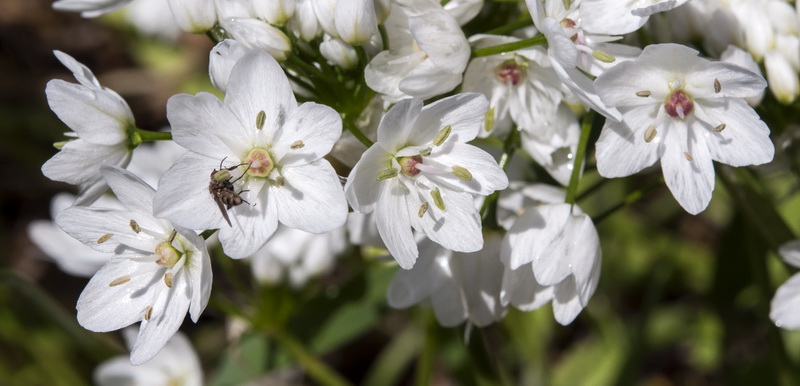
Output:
x=362 y=55
x=580 y=154
x=384 y=36
x=147 y=135
x=317 y=369
x=358 y=134
x=488 y=211
x=503 y=30
x=422 y=376
x=507 y=47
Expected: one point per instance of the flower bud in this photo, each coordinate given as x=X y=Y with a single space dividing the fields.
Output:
x=339 y=52
x=234 y=8
x=356 y=21
x=782 y=78
x=274 y=12
x=194 y=16
x=254 y=33
x=221 y=60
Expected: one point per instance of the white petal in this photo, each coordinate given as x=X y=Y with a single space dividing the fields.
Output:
x=521 y=290
x=394 y=225
x=440 y=36
x=129 y=188
x=257 y=83
x=396 y=126
x=691 y=182
x=316 y=126
x=622 y=149
x=96 y=115
x=426 y=80
x=72 y=256
x=79 y=161
x=409 y=287
x=790 y=252
x=523 y=243
x=198 y=270
x=464 y=113
x=168 y=313
x=745 y=139
x=487 y=175
x=619 y=85
x=363 y=189
x=102 y=308
x=253 y=225
x=457 y=228
x=356 y=21
x=312 y=198
x=255 y=33
x=735 y=81
x=785 y=303
x=81 y=73
x=449 y=306
x=91 y=224
x=566 y=304
x=203 y=125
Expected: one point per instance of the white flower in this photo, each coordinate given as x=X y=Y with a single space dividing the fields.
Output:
x=553 y=146
x=551 y=253
x=422 y=174
x=685 y=111
x=194 y=16
x=463 y=10
x=356 y=21
x=90 y=8
x=273 y=150
x=274 y=12
x=297 y=255
x=520 y=85
x=100 y=119
x=617 y=17
x=176 y=364
x=157 y=274
x=428 y=53
x=785 y=306
x=338 y=52
x=459 y=286
x=153 y=18
x=221 y=60
x=742 y=58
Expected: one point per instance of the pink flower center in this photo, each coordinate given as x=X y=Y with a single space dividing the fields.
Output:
x=679 y=104
x=509 y=73
x=408 y=165
x=260 y=162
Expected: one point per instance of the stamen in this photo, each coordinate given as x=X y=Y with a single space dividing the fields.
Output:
x=688 y=156
x=168 y=279
x=148 y=312
x=643 y=94
x=104 y=238
x=261 y=117
x=120 y=280
x=488 y=120
x=297 y=144
x=135 y=227
x=717 y=86
x=172 y=236
x=442 y=136
x=422 y=209
x=437 y=198
x=425 y=152
x=719 y=128
x=603 y=56
x=650 y=133
x=461 y=173
x=280 y=181
x=385 y=174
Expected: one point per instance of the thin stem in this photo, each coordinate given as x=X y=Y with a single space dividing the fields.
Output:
x=507 y=47
x=317 y=369
x=362 y=55
x=384 y=36
x=422 y=376
x=147 y=135
x=358 y=134
x=580 y=154
x=488 y=211
x=505 y=29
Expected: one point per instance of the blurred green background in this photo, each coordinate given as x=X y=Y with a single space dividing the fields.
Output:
x=682 y=299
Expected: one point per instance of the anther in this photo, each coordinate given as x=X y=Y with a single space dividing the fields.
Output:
x=643 y=93
x=719 y=128
x=104 y=238
x=261 y=117
x=168 y=279
x=717 y=86
x=461 y=173
x=422 y=209
x=688 y=156
x=119 y=280
x=172 y=236
x=135 y=227
x=148 y=312
x=425 y=152
x=488 y=120
x=650 y=133
x=437 y=198
x=442 y=136
x=297 y=144
x=280 y=181
x=603 y=56
x=385 y=174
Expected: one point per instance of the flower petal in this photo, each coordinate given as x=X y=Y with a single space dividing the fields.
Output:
x=168 y=314
x=691 y=182
x=394 y=225
x=315 y=126
x=457 y=227
x=203 y=125
x=131 y=190
x=622 y=149
x=396 y=126
x=312 y=198
x=785 y=303
x=745 y=139
x=464 y=113
x=362 y=188
x=487 y=175
x=97 y=115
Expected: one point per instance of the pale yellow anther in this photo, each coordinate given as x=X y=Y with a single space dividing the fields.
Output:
x=437 y=198
x=297 y=144
x=168 y=279
x=119 y=280
x=717 y=86
x=385 y=174
x=261 y=117
x=422 y=209
x=603 y=56
x=650 y=133
x=719 y=128
x=104 y=238
x=488 y=120
x=688 y=156
x=148 y=312
x=280 y=181
x=461 y=173
x=425 y=152
x=442 y=136
x=135 y=227
x=643 y=93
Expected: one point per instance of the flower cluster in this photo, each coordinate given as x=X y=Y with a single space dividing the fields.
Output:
x=380 y=119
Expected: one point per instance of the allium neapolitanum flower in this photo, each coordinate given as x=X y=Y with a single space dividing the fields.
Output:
x=422 y=174
x=158 y=272
x=273 y=149
x=100 y=119
x=685 y=111
x=617 y=17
